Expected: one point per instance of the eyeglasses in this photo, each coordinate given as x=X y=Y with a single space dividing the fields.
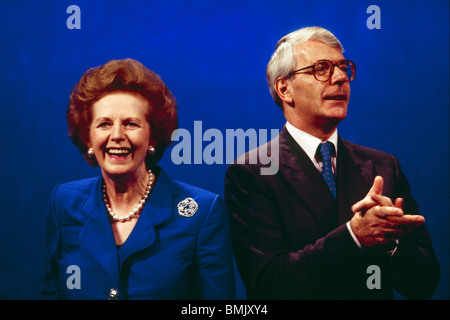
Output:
x=323 y=69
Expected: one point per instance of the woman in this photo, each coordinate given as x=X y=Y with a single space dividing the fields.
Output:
x=132 y=233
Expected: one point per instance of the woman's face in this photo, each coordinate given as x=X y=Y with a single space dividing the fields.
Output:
x=120 y=133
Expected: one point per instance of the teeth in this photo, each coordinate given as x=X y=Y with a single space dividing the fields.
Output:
x=118 y=151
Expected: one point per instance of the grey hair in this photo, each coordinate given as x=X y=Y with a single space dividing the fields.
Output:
x=282 y=61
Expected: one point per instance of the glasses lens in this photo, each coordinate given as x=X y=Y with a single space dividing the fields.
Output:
x=348 y=67
x=353 y=74
x=322 y=70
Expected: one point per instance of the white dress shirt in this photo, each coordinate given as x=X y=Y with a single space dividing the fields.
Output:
x=310 y=144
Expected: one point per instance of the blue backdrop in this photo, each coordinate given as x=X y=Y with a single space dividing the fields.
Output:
x=212 y=55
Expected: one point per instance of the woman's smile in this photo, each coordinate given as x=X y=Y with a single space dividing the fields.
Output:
x=118 y=154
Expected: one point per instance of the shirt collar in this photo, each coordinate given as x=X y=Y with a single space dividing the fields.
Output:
x=308 y=142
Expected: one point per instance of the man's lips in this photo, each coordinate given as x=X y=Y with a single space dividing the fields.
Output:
x=342 y=97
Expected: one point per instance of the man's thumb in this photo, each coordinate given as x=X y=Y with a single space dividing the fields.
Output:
x=377 y=186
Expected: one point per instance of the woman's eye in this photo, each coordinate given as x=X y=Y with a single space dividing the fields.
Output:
x=103 y=124
x=131 y=124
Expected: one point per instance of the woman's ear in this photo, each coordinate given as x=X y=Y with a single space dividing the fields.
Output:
x=87 y=143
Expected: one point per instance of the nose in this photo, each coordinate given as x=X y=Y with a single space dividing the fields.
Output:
x=339 y=77
x=117 y=133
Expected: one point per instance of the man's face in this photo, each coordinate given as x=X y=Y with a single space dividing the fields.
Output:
x=316 y=105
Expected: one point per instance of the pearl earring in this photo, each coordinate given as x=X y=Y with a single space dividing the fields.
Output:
x=151 y=150
x=90 y=153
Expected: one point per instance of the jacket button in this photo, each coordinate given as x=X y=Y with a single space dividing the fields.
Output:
x=113 y=294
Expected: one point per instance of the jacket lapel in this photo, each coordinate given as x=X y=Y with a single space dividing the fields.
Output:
x=96 y=234
x=296 y=166
x=354 y=179
x=157 y=210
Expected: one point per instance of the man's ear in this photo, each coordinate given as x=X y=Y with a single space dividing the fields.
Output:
x=283 y=89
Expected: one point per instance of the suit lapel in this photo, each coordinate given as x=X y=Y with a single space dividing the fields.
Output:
x=96 y=234
x=157 y=210
x=354 y=179
x=299 y=170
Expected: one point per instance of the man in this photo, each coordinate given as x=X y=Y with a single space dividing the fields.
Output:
x=300 y=234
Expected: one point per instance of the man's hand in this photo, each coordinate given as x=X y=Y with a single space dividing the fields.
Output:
x=378 y=221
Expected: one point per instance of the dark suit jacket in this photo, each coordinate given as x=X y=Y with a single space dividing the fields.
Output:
x=289 y=235
x=166 y=256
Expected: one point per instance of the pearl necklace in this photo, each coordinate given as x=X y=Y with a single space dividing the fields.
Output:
x=137 y=209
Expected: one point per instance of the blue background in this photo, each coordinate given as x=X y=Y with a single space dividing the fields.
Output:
x=213 y=55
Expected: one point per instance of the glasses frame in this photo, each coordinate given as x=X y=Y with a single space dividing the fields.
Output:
x=352 y=64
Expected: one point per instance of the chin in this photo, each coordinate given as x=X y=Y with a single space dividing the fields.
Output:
x=338 y=113
x=331 y=121
x=116 y=171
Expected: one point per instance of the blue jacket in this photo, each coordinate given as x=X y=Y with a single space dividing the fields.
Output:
x=166 y=256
